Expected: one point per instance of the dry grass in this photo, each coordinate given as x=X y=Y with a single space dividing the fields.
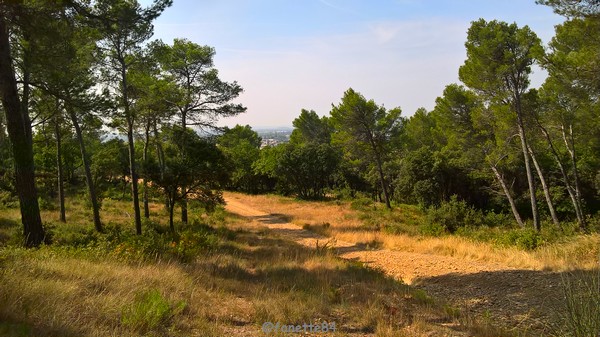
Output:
x=338 y=220
x=252 y=278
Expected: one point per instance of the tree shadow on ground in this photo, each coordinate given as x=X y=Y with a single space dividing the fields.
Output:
x=525 y=299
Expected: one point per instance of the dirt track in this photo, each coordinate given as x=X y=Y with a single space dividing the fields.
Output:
x=504 y=296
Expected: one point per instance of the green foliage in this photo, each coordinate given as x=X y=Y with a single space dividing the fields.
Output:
x=527 y=239
x=202 y=96
x=150 y=311
x=367 y=132
x=495 y=51
x=8 y=200
x=452 y=215
x=307 y=170
x=309 y=128
x=241 y=145
x=193 y=168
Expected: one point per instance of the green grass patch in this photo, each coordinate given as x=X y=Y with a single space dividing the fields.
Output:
x=150 y=311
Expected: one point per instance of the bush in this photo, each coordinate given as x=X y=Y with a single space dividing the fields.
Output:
x=433 y=229
x=362 y=204
x=528 y=239
x=183 y=246
x=492 y=219
x=452 y=215
x=8 y=200
x=46 y=204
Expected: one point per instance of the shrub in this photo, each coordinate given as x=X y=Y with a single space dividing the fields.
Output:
x=8 y=200
x=528 y=239
x=432 y=229
x=452 y=215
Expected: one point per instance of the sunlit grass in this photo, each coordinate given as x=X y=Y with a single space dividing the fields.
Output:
x=83 y=286
x=367 y=223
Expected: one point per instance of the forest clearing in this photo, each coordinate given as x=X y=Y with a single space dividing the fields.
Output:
x=134 y=201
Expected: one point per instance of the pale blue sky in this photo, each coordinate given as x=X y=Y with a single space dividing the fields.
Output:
x=294 y=54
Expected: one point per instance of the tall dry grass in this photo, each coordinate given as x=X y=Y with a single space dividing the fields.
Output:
x=251 y=278
x=346 y=224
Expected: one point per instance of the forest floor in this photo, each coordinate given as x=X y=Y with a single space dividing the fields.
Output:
x=524 y=300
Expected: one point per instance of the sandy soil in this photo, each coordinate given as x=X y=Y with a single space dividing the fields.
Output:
x=501 y=295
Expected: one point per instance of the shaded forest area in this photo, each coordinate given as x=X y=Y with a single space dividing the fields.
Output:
x=493 y=152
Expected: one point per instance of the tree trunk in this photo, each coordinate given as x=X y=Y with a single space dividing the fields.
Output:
x=530 y=180
x=145 y=159
x=131 y=147
x=59 y=167
x=381 y=175
x=184 y=202
x=134 y=178
x=509 y=197
x=19 y=132
x=545 y=188
x=184 y=210
x=171 y=208
x=563 y=171
x=570 y=145
x=159 y=151
x=86 y=168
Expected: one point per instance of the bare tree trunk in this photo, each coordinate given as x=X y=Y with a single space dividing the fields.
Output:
x=19 y=131
x=509 y=197
x=59 y=167
x=381 y=175
x=530 y=179
x=86 y=168
x=145 y=159
x=563 y=171
x=544 y=187
x=171 y=203
x=134 y=178
x=129 y=117
x=184 y=202
x=570 y=145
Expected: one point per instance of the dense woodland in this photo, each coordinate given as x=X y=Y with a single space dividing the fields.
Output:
x=72 y=72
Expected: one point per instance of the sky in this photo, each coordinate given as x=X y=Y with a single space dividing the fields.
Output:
x=290 y=55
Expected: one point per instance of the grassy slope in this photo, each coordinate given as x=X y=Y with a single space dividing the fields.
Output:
x=167 y=286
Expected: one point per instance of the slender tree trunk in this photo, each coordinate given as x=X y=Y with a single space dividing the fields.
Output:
x=134 y=178
x=544 y=187
x=86 y=169
x=381 y=175
x=19 y=131
x=145 y=159
x=131 y=147
x=509 y=197
x=184 y=202
x=570 y=145
x=563 y=171
x=171 y=202
x=184 y=210
x=59 y=167
x=530 y=179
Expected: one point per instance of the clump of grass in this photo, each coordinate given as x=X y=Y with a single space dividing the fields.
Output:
x=150 y=311
x=578 y=316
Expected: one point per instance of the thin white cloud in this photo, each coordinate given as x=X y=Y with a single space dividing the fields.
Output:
x=329 y=4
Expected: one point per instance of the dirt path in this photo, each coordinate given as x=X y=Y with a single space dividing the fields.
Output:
x=502 y=295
